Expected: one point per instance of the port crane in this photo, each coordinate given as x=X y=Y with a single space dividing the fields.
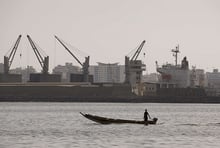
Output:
x=85 y=65
x=136 y=54
x=134 y=67
x=43 y=60
x=9 y=59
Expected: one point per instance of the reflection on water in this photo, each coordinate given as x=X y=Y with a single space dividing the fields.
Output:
x=61 y=125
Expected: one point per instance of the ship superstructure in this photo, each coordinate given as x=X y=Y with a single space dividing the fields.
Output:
x=177 y=80
x=174 y=76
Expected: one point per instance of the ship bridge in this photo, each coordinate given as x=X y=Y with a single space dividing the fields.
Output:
x=178 y=75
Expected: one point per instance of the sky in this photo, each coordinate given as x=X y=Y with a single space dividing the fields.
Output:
x=108 y=30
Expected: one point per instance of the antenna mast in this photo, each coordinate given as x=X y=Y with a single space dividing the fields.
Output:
x=175 y=53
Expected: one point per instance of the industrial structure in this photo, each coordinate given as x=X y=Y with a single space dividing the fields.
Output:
x=112 y=82
x=134 y=67
x=6 y=77
x=133 y=71
x=44 y=76
x=84 y=77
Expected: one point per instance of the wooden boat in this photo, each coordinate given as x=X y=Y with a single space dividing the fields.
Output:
x=104 y=120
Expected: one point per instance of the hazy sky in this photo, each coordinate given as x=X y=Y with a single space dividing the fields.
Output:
x=107 y=30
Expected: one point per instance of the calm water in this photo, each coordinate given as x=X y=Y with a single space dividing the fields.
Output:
x=25 y=125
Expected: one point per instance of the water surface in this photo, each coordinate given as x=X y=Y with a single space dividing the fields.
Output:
x=59 y=125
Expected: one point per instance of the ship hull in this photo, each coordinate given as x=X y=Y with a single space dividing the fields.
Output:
x=72 y=93
x=104 y=120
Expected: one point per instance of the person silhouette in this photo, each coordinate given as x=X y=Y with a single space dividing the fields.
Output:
x=146 y=115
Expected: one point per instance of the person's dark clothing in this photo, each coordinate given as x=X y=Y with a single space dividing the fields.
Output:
x=146 y=115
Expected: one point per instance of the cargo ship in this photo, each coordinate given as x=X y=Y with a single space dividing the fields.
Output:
x=48 y=87
x=51 y=92
x=174 y=85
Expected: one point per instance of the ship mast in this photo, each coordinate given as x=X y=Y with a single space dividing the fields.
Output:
x=175 y=52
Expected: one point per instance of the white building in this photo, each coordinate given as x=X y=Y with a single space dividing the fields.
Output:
x=66 y=70
x=151 y=78
x=213 y=78
x=107 y=73
x=197 y=77
x=213 y=82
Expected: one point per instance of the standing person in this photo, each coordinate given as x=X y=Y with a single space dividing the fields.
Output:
x=146 y=115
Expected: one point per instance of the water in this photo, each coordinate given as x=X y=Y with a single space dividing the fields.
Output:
x=59 y=125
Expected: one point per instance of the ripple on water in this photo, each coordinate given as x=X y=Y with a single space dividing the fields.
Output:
x=61 y=125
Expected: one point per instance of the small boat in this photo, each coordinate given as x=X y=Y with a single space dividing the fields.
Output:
x=104 y=120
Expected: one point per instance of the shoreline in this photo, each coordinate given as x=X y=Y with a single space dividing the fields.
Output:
x=146 y=99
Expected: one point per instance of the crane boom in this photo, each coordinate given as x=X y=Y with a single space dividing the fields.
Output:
x=44 y=61
x=134 y=67
x=135 y=56
x=85 y=65
x=68 y=50
x=9 y=59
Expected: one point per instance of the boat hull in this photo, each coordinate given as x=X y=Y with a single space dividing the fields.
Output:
x=104 y=120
